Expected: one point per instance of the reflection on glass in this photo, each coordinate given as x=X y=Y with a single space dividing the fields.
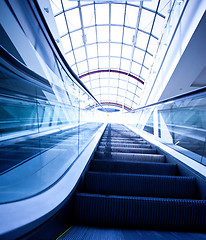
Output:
x=180 y=124
x=44 y=126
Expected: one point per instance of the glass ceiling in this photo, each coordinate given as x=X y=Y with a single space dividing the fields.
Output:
x=111 y=45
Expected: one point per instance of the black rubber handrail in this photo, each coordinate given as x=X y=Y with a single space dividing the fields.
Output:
x=10 y=61
x=178 y=97
x=5 y=55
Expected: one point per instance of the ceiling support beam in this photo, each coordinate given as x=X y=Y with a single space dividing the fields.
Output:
x=111 y=71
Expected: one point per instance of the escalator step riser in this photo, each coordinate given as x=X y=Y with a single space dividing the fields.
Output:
x=140 y=213
x=103 y=141
x=131 y=156
x=140 y=185
x=133 y=167
x=119 y=132
x=122 y=141
x=126 y=150
x=121 y=137
x=124 y=145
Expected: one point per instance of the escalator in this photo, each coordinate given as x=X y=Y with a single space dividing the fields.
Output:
x=129 y=185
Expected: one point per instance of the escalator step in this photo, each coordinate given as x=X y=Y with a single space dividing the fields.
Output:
x=140 y=212
x=140 y=185
x=124 y=145
x=121 y=138
x=121 y=141
x=126 y=150
x=121 y=135
x=133 y=167
x=131 y=156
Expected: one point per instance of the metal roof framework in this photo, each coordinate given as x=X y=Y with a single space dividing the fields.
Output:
x=110 y=45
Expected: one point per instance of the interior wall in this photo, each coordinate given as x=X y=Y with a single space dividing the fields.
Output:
x=190 y=72
x=178 y=58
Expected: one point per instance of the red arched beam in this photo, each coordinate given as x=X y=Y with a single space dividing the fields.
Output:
x=113 y=71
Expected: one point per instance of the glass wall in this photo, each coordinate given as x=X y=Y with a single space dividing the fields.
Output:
x=179 y=123
x=44 y=125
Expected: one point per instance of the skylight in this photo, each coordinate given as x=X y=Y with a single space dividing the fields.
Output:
x=110 y=45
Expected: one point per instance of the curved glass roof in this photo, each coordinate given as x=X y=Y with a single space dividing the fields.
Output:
x=110 y=45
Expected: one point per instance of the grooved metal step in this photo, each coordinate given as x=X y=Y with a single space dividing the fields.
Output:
x=133 y=167
x=125 y=150
x=125 y=145
x=117 y=141
x=140 y=185
x=114 y=138
x=131 y=156
x=140 y=212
